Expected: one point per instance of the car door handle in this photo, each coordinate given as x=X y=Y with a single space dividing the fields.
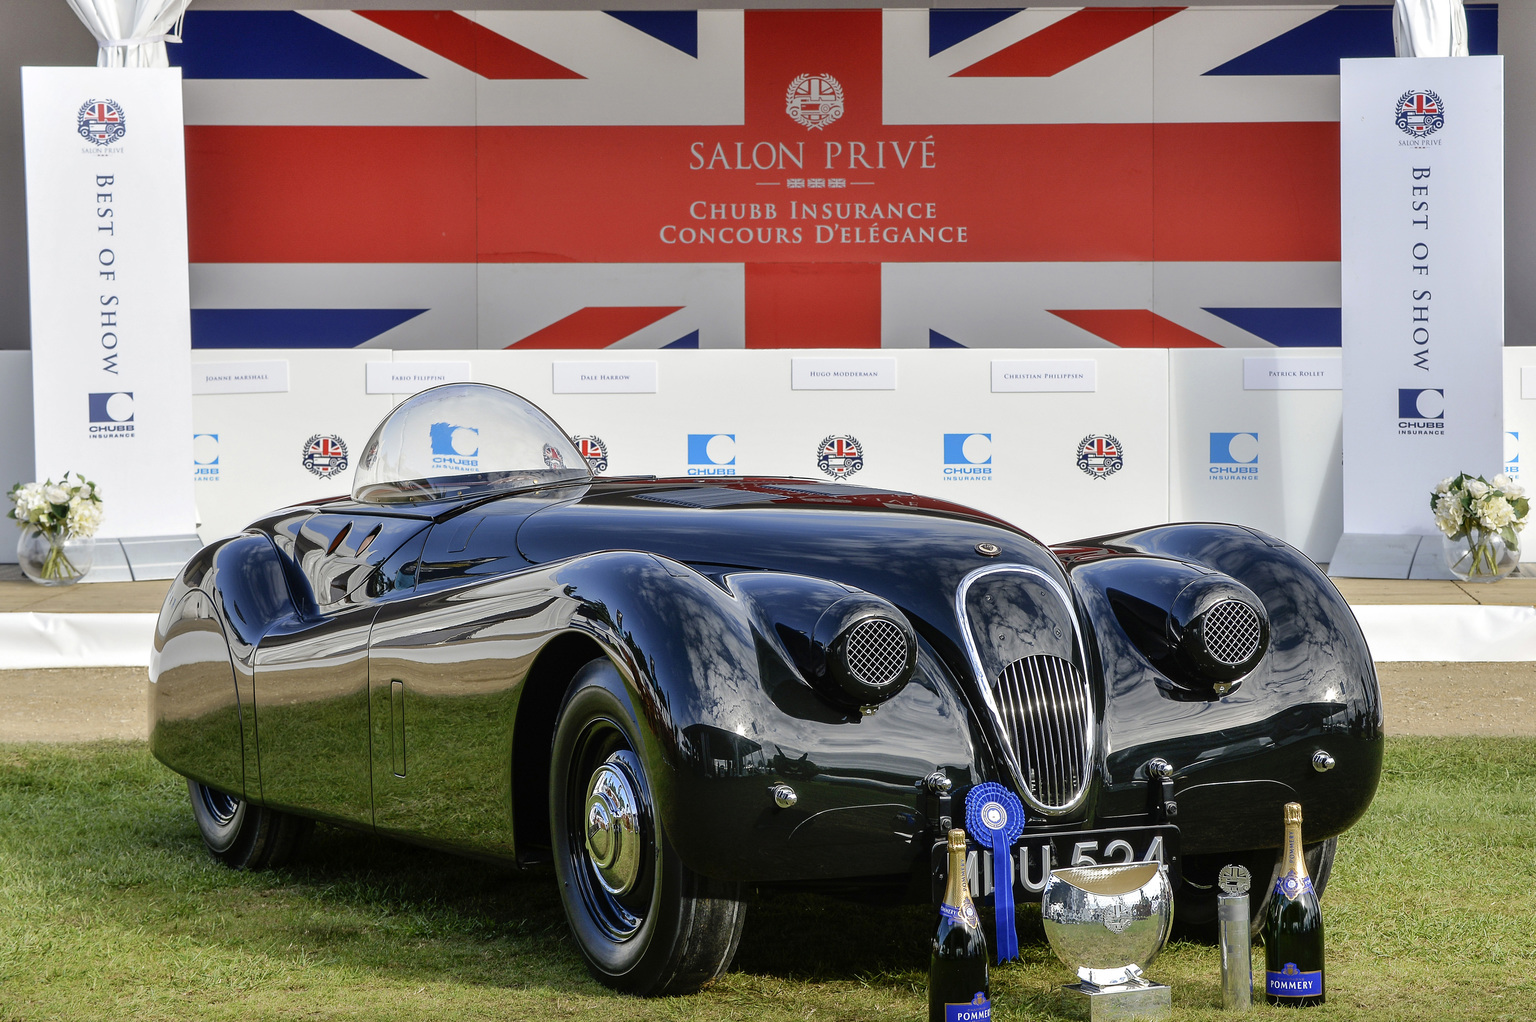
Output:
x=397 y=726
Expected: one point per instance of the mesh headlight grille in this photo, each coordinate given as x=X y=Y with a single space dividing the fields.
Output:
x=1231 y=632
x=876 y=651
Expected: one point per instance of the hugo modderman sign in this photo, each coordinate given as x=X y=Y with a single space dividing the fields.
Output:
x=1422 y=245
x=107 y=251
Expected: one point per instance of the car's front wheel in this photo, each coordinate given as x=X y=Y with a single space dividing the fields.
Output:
x=242 y=835
x=645 y=923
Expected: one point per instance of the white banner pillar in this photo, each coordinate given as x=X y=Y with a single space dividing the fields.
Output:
x=1421 y=152
x=111 y=330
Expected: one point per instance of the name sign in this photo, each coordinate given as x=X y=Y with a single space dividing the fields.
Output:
x=410 y=377
x=1013 y=376
x=605 y=377
x=1324 y=373
x=240 y=377
x=1528 y=383
x=843 y=374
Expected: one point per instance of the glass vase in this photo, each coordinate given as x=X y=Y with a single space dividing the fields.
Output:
x=1480 y=556
x=52 y=559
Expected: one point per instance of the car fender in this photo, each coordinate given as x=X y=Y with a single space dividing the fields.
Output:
x=200 y=682
x=1236 y=757
x=725 y=720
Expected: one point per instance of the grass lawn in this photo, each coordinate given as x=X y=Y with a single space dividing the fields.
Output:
x=109 y=907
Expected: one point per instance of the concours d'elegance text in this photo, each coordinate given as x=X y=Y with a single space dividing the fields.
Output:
x=832 y=165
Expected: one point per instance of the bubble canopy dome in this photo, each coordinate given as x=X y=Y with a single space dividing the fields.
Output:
x=461 y=440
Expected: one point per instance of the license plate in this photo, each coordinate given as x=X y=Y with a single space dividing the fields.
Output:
x=1036 y=854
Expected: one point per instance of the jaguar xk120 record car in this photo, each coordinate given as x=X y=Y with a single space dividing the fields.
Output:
x=671 y=688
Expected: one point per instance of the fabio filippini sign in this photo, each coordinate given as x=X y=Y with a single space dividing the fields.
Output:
x=1422 y=247
x=107 y=247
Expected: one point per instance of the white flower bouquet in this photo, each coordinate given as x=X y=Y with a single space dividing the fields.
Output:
x=1487 y=515
x=59 y=512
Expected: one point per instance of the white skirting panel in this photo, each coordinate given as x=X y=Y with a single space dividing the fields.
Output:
x=75 y=640
x=1454 y=632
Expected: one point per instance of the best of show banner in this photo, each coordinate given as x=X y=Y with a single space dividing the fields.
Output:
x=107 y=250
x=1422 y=194
x=1094 y=177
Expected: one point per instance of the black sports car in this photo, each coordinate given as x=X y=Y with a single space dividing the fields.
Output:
x=672 y=687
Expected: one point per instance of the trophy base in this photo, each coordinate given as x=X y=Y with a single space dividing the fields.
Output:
x=1136 y=999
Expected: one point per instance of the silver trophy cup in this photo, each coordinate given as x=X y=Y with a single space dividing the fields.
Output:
x=1108 y=923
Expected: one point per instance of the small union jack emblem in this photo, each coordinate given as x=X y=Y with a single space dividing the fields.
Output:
x=840 y=456
x=101 y=121
x=594 y=451
x=814 y=101
x=1420 y=113
x=325 y=455
x=1100 y=455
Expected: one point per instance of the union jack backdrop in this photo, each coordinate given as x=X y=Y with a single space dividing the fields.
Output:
x=1132 y=177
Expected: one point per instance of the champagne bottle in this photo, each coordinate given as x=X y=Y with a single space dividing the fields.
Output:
x=958 y=990
x=1293 y=927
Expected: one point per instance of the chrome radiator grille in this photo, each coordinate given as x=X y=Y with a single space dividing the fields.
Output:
x=1047 y=712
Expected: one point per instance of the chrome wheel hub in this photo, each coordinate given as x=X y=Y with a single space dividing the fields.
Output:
x=615 y=839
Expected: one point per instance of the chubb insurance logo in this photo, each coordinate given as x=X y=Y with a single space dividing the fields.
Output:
x=1235 y=457
x=968 y=457
x=454 y=448
x=594 y=451
x=111 y=415
x=711 y=454
x=325 y=454
x=1420 y=113
x=101 y=121
x=1100 y=455
x=840 y=456
x=1512 y=454
x=205 y=457
x=1421 y=411
x=814 y=101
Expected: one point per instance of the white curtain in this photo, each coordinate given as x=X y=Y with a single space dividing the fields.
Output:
x=131 y=33
x=1429 y=28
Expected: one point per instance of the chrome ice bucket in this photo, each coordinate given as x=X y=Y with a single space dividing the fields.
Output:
x=1107 y=923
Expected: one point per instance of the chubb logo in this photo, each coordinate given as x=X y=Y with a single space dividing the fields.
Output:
x=111 y=415
x=711 y=454
x=814 y=100
x=101 y=121
x=454 y=448
x=1512 y=454
x=205 y=457
x=1235 y=457
x=968 y=457
x=1421 y=411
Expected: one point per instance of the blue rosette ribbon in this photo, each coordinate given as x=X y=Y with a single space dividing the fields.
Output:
x=994 y=816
